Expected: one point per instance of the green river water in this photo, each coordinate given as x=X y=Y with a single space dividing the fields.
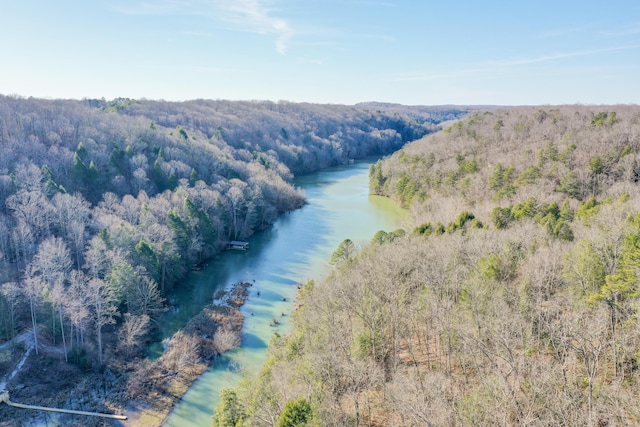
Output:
x=297 y=248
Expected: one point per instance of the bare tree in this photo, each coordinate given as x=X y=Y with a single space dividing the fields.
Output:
x=78 y=305
x=132 y=332
x=34 y=209
x=225 y=339
x=588 y=339
x=52 y=264
x=5 y=238
x=32 y=289
x=236 y=199
x=23 y=241
x=144 y=298
x=98 y=258
x=101 y=298
x=11 y=293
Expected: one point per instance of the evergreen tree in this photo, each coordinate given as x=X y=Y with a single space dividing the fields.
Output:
x=296 y=413
x=229 y=411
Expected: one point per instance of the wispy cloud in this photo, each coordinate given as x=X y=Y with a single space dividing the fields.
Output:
x=499 y=65
x=255 y=16
x=621 y=31
x=629 y=30
x=264 y=17
x=557 y=56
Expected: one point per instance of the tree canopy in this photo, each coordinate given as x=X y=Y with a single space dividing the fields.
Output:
x=513 y=299
x=105 y=205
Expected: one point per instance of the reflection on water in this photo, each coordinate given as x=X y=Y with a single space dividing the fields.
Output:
x=297 y=248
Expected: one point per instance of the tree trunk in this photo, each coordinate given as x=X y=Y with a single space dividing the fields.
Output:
x=53 y=325
x=100 y=344
x=64 y=341
x=34 y=323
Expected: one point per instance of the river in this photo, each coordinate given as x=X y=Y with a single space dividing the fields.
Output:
x=297 y=248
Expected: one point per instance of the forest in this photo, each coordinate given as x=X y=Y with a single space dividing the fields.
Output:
x=106 y=205
x=509 y=297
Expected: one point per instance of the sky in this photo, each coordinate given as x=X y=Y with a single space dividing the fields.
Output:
x=412 y=52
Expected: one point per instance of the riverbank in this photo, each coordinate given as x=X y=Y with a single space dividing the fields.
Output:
x=156 y=386
x=142 y=389
x=294 y=251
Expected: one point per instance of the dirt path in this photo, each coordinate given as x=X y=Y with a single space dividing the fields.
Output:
x=23 y=337
x=27 y=338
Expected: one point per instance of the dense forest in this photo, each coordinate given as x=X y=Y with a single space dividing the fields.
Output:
x=510 y=297
x=105 y=205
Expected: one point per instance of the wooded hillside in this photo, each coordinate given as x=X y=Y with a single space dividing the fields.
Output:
x=105 y=205
x=510 y=298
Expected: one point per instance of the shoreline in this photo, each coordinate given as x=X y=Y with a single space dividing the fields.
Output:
x=216 y=329
x=140 y=388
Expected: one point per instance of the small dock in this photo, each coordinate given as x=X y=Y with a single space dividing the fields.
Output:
x=237 y=245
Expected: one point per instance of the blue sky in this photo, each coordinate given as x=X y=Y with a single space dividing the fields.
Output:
x=417 y=52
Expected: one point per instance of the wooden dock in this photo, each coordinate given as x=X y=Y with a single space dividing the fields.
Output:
x=237 y=245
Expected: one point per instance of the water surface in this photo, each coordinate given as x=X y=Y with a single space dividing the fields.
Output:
x=297 y=248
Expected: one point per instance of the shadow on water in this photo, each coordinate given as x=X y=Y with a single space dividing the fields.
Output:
x=297 y=248
x=253 y=341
